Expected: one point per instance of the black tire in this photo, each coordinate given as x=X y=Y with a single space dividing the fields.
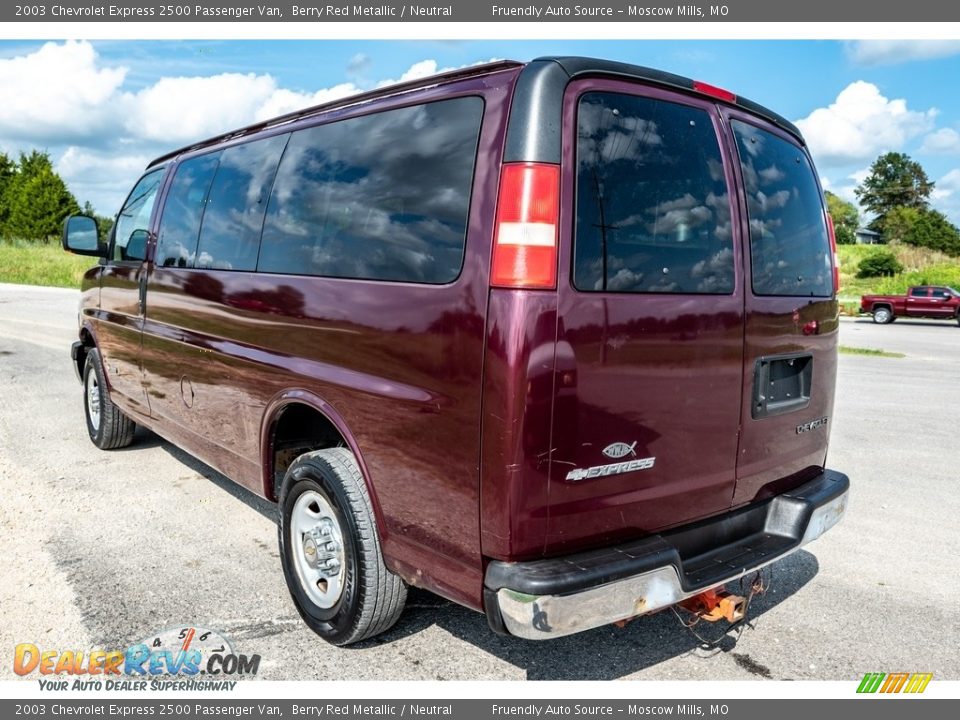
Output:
x=370 y=598
x=882 y=315
x=112 y=429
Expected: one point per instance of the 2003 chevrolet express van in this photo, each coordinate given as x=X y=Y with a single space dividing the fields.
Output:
x=556 y=340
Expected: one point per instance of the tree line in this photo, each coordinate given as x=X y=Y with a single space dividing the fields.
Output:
x=34 y=199
x=897 y=193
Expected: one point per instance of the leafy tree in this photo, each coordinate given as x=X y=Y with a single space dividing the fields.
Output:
x=7 y=170
x=934 y=231
x=879 y=264
x=894 y=181
x=898 y=223
x=36 y=198
x=104 y=224
x=922 y=228
x=845 y=235
x=843 y=213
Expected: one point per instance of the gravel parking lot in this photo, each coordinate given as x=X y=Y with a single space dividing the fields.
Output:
x=102 y=549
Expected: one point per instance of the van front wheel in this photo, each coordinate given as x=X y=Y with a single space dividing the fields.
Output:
x=330 y=550
x=107 y=426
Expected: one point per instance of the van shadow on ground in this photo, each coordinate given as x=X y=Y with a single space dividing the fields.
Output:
x=605 y=653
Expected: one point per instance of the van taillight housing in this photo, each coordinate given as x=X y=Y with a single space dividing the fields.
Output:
x=528 y=218
x=836 y=258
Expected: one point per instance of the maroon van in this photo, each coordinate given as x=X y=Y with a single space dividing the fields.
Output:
x=556 y=340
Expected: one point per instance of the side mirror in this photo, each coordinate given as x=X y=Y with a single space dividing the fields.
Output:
x=80 y=236
x=136 y=248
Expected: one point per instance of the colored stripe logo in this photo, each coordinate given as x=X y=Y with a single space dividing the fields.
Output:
x=894 y=682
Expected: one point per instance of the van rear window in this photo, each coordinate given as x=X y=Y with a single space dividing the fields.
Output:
x=380 y=197
x=653 y=211
x=789 y=245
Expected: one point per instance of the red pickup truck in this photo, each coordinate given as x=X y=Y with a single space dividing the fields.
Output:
x=924 y=301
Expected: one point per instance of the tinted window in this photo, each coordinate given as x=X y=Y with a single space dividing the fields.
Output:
x=789 y=246
x=918 y=292
x=940 y=293
x=133 y=222
x=653 y=213
x=183 y=211
x=383 y=196
x=233 y=219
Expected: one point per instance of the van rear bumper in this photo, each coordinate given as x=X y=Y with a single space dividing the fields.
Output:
x=549 y=598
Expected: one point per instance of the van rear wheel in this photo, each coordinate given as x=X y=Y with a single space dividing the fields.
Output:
x=107 y=426
x=330 y=550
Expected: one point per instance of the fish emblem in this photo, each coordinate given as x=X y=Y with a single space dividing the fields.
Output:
x=618 y=450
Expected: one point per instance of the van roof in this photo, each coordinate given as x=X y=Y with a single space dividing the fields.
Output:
x=540 y=85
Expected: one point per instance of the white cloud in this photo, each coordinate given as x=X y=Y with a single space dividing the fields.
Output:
x=941 y=142
x=860 y=124
x=189 y=108
x=946 y=195
x=57 y=92
x=94 y=176
x=283 y=101
x=891 y=52
x=950 y=181
x=358 y=66
x=64 y=98
x=844 y=187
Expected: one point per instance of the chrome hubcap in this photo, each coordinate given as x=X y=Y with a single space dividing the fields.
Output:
x=316 y=541
x=93 y=400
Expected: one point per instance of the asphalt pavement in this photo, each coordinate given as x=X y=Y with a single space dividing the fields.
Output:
x=102 y=549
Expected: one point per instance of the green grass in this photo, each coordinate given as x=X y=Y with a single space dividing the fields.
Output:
x=847 y=350
x=921 y=267
x=41 y=264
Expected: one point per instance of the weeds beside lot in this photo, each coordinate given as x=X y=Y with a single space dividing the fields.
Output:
x=31 y=263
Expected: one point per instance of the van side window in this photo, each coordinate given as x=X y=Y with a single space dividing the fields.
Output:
x=133 y=221
x=183 y=211
x=233 y=219
x=653 y=211
x=789 y=246
x=380 y=197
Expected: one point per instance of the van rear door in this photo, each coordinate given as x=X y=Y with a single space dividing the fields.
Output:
x=791 y=312
x=649 y=360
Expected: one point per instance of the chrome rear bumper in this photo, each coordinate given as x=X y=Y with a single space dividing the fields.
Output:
x=550 y=598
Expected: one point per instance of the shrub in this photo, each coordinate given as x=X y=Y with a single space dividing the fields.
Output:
x=879 y=264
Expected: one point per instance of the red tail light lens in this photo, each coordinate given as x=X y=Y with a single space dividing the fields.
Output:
x=836 y=258
x=714 y=91
x=528 y=216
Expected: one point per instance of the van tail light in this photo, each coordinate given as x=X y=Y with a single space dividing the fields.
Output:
x=836 y=258
x=714 y=91
x=528 y=217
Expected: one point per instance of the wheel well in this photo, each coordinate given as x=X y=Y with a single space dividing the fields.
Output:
x=877 y=306
x=88 y=344
x=297 y=429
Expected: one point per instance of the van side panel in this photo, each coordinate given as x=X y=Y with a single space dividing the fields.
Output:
x=399 y=363
x=518 y=384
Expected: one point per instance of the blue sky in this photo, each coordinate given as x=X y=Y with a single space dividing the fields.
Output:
x=103 y=109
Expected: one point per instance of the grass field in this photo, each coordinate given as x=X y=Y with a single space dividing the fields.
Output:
x=41 y=264
x=47 y=264
x=920 y=267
